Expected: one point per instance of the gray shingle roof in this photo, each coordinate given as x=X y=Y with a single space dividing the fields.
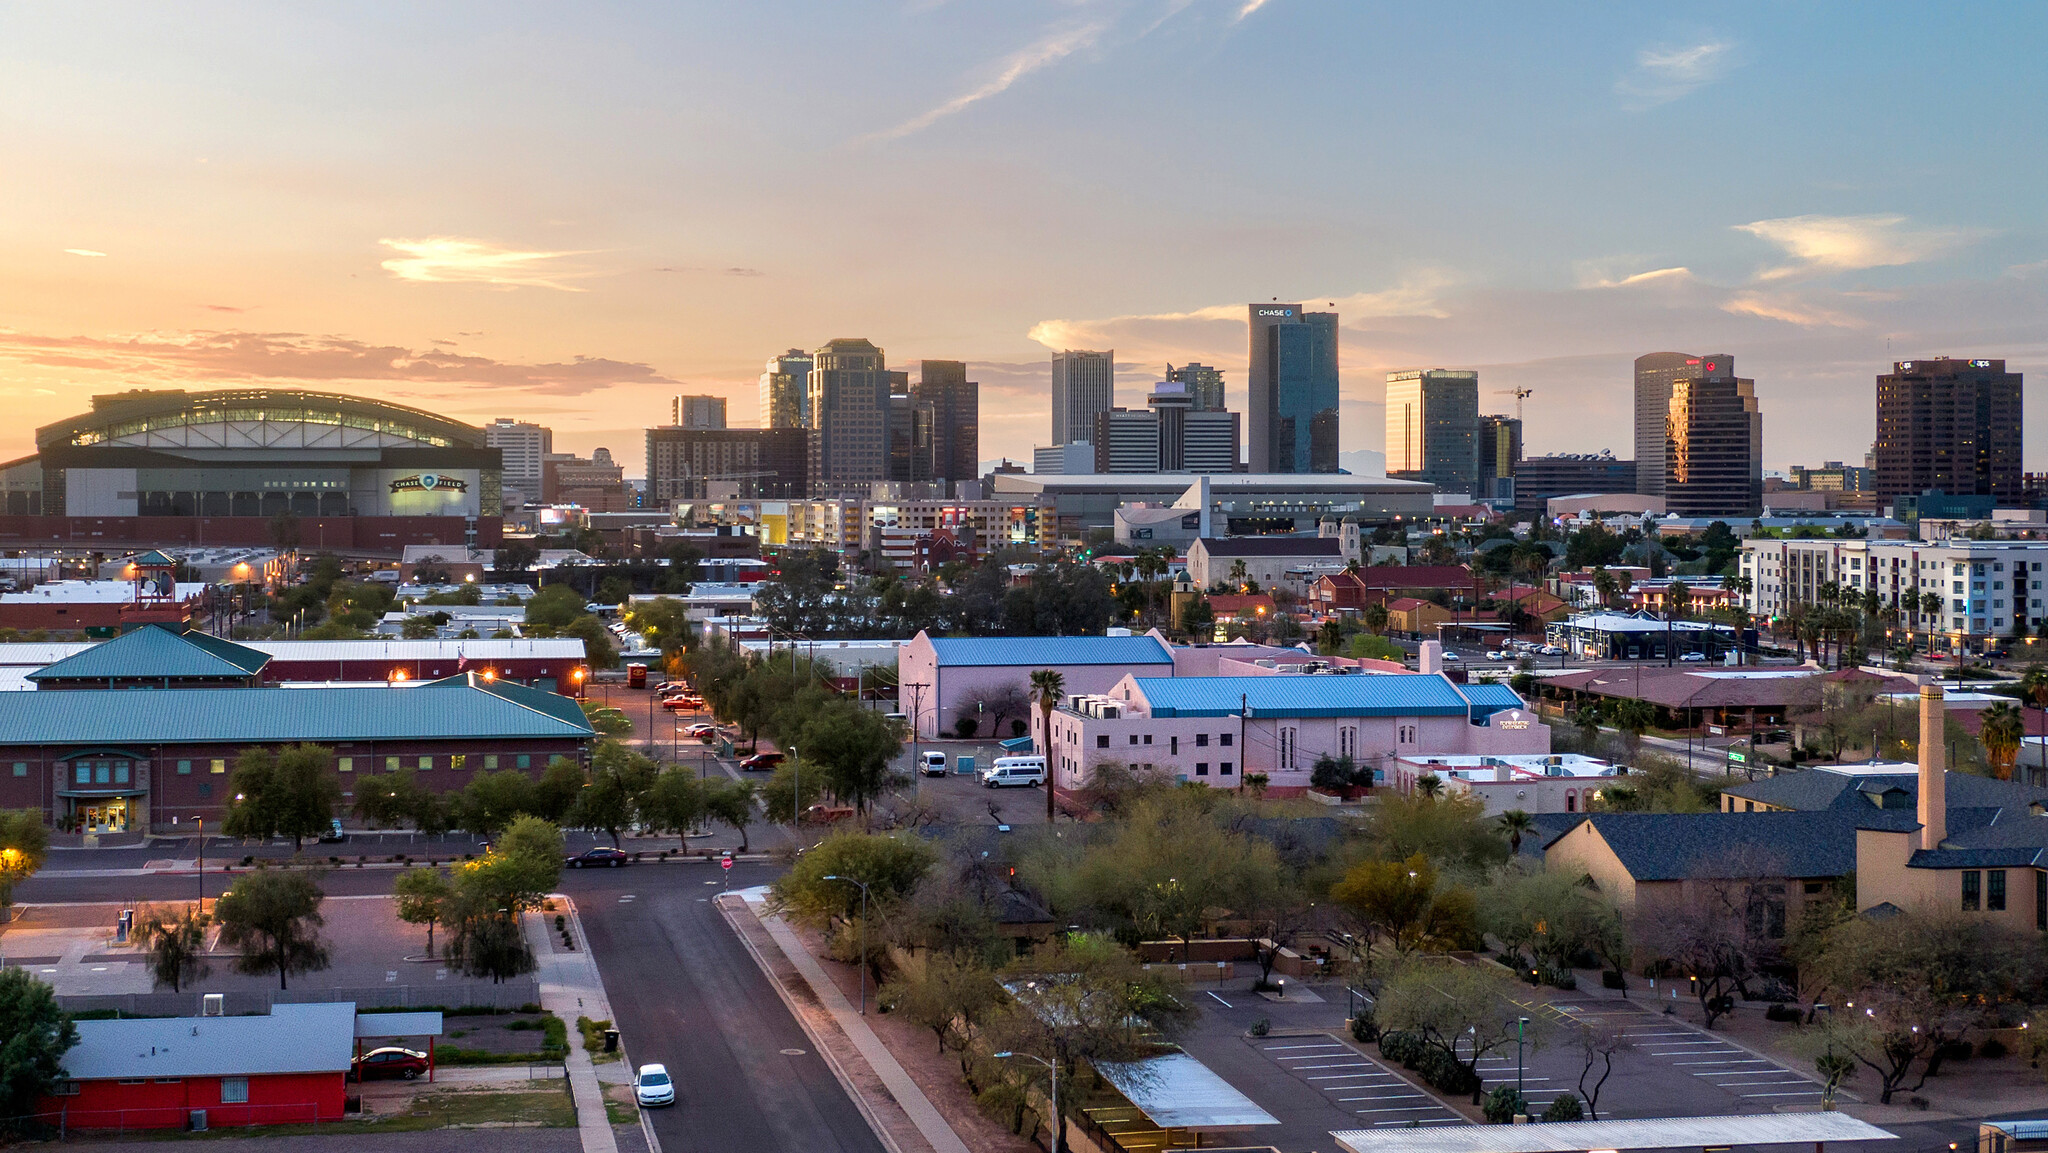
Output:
x=1814 y=789
x=155 y=651
x=310 y=1038
x=1687 y=846
x=464 y=706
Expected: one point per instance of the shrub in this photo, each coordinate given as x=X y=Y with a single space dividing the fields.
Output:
x=1400 y=1048
x=1782 y=1013
x=1560 y=978
x=1261 y=1027
x=1443 y=1071
x=1955 y=1051
x=1991 y=1049
x=1503 y=1104
x=1364 y=1027
x=1613 y=979
x=1565 y=1107
x=965 y=728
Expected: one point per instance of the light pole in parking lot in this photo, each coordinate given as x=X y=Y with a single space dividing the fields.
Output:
x=1055 y=1092
x=863 y=936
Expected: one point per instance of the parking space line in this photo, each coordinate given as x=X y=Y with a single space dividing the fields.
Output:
x=1805 y=1093
x=1743 y=1061
x=1401 y=1109
x=1338 y=1065
x=1277 y=1048
x=1384 y=1097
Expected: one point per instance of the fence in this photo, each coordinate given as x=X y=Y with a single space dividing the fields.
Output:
x=503 y=997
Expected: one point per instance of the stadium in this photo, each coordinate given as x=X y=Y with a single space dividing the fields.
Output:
x=277 y=467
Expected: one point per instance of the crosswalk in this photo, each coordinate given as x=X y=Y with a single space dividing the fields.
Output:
x=1358 y=1084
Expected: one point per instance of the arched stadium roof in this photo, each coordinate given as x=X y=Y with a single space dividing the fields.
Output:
x=252 y=418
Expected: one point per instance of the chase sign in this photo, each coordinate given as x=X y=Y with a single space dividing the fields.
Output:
x=429 y=482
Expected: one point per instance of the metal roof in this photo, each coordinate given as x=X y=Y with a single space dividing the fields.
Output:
x=1178 y=1092
x=1578 y=1136
x=399 y=1024
x=464 y=706
x=476 y=649
x=1047 y=652
x=1358 y=695
x=302 y=1038
x=154 y=651
x=1488 y=699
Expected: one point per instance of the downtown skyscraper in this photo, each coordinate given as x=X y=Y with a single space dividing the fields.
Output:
x=1713 y=442
x=785 y=391
x=850 y=435
x=1947 y=424
x=1083 y=384
x=942 y=388
x=1292 y=380
x=1433 y=428
x=1655 y=374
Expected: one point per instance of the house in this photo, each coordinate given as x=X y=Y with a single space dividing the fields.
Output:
x=1355 y=588
x=1268 y=560
x=1648 y=862
x=177 y=1072
x=1216 y=730
x=1241 y=606
x=944 y=677
x=1532 y=782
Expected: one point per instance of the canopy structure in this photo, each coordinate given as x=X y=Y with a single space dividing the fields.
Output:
x=1585 y=1136
x=1178 y=1092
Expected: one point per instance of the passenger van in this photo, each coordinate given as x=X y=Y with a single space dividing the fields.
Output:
x=934 y=764
x=1008 y=771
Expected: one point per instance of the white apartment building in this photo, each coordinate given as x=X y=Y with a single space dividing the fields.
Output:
x=523 y=446
x=1990 y=589
x=891 y=528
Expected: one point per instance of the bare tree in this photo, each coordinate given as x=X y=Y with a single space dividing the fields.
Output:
x=1599 y=1041
x=1727 y=923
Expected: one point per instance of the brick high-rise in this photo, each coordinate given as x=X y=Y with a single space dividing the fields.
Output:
x=1948 y=424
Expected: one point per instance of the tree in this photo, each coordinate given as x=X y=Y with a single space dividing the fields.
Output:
x=485 y=938
x=1463 y=1012
x=1171 y=868
x=1453 y=832
x=273 y=917
x=290 y=792
x=175 y=942
x=1402 y=902
x=37 y=1034
x=24 y=845
x=1376 y=617
x=852 y=745
x=1633 y=716
x=951 y=997
x=491 y=801
x=890 y=866
x=1729 y=923
x=1516 y=824
x=2003 y=731
x=673 y=803
x=1552 y=917
x=515 y=556
x=731 y=803
x=1586 y=719
x=1047 y=687
x=556 y=791
x=618 y=776
x=555 y=607
x=423 y=896
x=388 y=799
x=1599 y=1042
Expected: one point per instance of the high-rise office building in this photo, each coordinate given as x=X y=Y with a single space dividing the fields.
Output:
x=1500 y=450
x=707 y=463
x=1292 y=381
x=1083 y=384
x=698 y=412
x=1126 y=441
x=1538 y=478
x=1205 y=384
x=1168 y=435
x=524 y=447
x=785 y=391
x=1655 y=374
x=1433 y=428
x=1714 y=442
x=1943 y=423
x=850 y=418
x=911 y=439
x=955 y=404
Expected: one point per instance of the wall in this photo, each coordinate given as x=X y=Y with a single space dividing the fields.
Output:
x=358 y=534
x=1882 y=875
x=1585 y=850
x=945 y=689
x=160 y=1103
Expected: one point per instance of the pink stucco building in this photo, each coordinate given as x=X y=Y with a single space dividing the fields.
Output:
x=1214 y=730
x=943 y=677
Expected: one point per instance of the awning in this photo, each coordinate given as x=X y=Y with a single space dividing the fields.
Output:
x=1018 y=744
x=398 y=1024
x=1179 y=1092
x=1579 y=1136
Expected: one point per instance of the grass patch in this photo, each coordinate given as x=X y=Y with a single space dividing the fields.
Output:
x=593 y=1039
x=619 y=1114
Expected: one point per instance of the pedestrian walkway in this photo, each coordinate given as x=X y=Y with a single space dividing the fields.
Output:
x=888 y=1074
x=1356 y=1083
x=570 y=988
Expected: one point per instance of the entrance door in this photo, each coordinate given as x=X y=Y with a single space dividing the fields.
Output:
x=104 y=816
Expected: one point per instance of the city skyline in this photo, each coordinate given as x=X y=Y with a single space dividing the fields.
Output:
x=300 y=234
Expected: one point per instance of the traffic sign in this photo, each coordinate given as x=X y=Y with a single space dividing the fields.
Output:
x=1738 y=758
x=725 y=863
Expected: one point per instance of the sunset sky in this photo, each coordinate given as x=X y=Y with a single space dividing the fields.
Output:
x=568 y=213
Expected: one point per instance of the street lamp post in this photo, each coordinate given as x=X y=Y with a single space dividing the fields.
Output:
x=202 y=864
x=863 y=936
x=1055 y=1126
x=1521 y=1030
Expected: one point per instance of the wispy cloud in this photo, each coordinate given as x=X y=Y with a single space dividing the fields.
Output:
x=84 y=252
x=1048 y=50
x=1247 y=8
x=233 y=357
x=1414 y=297
x=1789 y=310
x=1664 y=74
x=456 y=260
x=1821 y=244
x=1676 y=275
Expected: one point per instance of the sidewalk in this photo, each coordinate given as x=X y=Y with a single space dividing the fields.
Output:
x=570 y=988
x=896 y=1108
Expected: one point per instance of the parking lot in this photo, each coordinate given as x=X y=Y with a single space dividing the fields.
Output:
x=1355 y=1083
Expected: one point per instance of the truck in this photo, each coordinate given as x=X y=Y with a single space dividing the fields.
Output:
x=636 y=676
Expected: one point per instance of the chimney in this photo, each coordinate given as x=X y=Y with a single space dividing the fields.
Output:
x=1933 y=768
x=1429 y=657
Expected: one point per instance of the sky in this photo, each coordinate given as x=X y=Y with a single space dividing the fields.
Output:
x=568 y=214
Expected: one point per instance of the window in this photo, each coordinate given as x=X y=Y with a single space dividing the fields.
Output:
x=426 y=763
x=1994 y=890
x=1224 y=740
x=1813 y=887
x=234 y=1090
x=1172 y=746
x=458 y=760
x=1134 y=738
x=1347 y=742
x=169 y=1080
x=184 y=768
x=1224 y=768
x=1201 y=740
x=1287 y=748
x=133 y=1081
x=490 y=762
x=85 y=772
x=525 y=761
x=390 y=764
x=1571 y=801
x=1201 y=768
x=102 y=773
x=219 y=765
x=1102 y=741
x=1407 y=734
x=344 y=764
x=1973 y=882
x=1148 y=740
x=120 y=772
x=2041 y=900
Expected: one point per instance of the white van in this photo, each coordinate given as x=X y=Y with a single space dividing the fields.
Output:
x=1008 y=771
x=933 y=764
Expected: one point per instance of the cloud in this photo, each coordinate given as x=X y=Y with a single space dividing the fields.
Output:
x=1789 y=310
x=1662 y=75
x=1415 y=297
x=1677 y=275
x=1820 y=244
x=455 y=260
x=222 y=308
x=84 y=252
x=201 y=358
x=744 y=272
x=1247 y=8
x=1048 y=50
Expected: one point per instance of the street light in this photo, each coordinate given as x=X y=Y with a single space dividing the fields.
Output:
x=1055 y=1092
x=863 y=937
x=1521 y=1030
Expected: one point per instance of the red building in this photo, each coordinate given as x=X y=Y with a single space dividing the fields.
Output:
x=212 y=1072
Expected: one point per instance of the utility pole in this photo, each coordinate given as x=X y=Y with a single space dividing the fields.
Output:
x=916 y=710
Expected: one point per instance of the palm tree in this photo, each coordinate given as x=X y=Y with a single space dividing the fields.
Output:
x=1515 y=823
x=1430 y=785
x=1376 y=617
x=1604 y=586
x=2003 y=730
x=1633 y=716
x=1048 y=686
x=1678 y=599
x=1587 y=721
x=2034 y=683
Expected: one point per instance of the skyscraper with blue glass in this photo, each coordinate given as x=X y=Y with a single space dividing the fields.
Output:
x=1292 y=379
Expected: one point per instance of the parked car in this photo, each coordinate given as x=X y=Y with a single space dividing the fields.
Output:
x=391 y=1061
x=603 y=857
x=1451 y=656
x=1496 y=655
x=334 y=834
x=763 y=761
x=1014 y=771
x=1551 y=651
x=933 y=764
x=702 y=730
x=666 y=687
x=1692 y=656
x=681 y=704
x=651 y=1086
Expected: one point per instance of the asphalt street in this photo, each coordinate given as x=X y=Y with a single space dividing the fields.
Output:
x=688 y=995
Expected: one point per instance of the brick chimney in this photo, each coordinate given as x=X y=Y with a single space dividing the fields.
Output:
x=1933 y=767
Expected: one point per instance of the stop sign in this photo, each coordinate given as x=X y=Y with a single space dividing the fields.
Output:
x=725 y=863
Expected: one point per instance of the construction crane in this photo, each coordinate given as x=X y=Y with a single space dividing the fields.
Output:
x=1518 y=394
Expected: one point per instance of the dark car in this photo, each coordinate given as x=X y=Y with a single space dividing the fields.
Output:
x=763 y=761
x=406 y=1064
x=600 y=858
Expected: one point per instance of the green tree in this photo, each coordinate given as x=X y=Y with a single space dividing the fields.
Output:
x=1463 y=1012
x=1453 y=832
x=515 y=556
x=664 y=623
x=491 y=801
x=1401 y=901
x=387 y=799
x=891 y=866
x=1516 y=824
x=283 y=793
x=951 y=997
x=1586 y=719
x=37 y=1034
x=852 y=745
x=556 y=791
x=491 y=893
x=273 y=917
x=2003 y=730
x=24 y=845
x=674 y=803
x=598 y=650
x=175 y=942
x=423 y=896
x=1633 y=716
x=555 y=607
x=779 y=795
x=618 y=775
x=1047 y=687
x=731 y=803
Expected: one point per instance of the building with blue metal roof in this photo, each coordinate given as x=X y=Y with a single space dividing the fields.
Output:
x=948 y=680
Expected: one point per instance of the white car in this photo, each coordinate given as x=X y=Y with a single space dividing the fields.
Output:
x=1692 y=656
x=1451 y=656
x=651 y=1086
x=1551 y=651
x=1496 y=655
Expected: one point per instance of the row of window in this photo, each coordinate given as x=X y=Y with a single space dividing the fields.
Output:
x=1173 y=742
x=121 y=772
x=1984 y=889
